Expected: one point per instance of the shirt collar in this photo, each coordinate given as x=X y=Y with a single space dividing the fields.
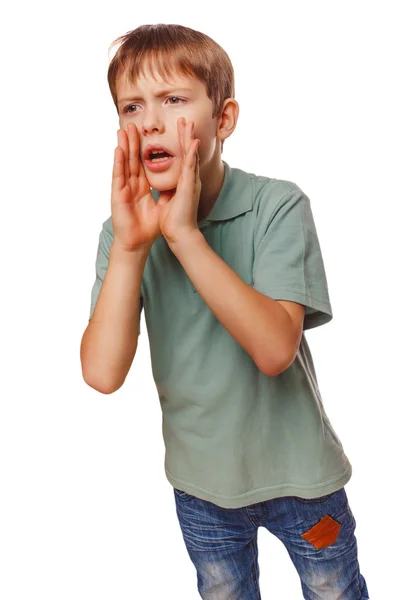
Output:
x=234 y=199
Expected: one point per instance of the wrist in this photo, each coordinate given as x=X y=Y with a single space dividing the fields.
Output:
x=185 y=240
x=121 y=254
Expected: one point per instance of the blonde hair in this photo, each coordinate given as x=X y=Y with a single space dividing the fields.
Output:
x=174 y=48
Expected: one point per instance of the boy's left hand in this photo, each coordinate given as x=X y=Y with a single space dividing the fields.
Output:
x=179 y=206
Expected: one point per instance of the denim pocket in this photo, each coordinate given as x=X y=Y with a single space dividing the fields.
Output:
x=183 y=495
x=312 y=500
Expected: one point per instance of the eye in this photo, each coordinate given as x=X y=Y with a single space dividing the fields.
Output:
x=126 y=109
x=175 y=98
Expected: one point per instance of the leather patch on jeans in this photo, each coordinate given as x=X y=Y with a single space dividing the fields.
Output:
x=323 y=534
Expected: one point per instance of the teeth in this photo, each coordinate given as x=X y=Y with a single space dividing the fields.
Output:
x=157 y=152
x=160 y=159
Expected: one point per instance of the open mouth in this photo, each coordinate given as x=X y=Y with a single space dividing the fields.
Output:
x=159 y=161
x=159 y=156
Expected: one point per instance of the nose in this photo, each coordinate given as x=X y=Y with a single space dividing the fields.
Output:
x=151 y=121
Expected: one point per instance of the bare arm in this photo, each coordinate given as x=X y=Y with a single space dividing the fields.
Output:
x=269 y=331
x=110 y=340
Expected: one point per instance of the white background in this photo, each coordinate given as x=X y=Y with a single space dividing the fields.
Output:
x=86 y=511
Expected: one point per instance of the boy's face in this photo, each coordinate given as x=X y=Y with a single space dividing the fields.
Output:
x=155 y=107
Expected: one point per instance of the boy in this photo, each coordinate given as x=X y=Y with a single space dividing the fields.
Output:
x=228 y=268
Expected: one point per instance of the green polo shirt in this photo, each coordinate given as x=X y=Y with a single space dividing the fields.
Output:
x=234 y=436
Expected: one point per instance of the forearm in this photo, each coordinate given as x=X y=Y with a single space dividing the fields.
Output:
x=258 y=323
x=109 y=343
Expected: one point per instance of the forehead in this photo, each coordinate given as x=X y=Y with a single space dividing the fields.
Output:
x=151 y=81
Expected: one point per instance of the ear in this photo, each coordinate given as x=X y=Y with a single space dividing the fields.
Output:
x=227 y=121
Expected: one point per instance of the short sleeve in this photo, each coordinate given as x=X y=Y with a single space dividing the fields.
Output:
x=103 y=254
x=288 y=263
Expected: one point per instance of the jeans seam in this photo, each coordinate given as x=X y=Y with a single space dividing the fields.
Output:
x=254 y=566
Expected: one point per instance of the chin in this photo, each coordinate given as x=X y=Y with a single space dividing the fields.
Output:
x=162 y=181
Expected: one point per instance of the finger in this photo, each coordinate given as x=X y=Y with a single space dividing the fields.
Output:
x=133 y=140
x=192 y=157
x=118 y=173
x=197 y=157
x=189 y=135
x=141 y=174
x=197 y=168
x=181 y=125
x=123 y=143
x=189 y=179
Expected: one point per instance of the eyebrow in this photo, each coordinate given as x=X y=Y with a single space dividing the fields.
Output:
x=161 y=93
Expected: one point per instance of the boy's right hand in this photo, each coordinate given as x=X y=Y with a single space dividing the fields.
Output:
x=135 y=214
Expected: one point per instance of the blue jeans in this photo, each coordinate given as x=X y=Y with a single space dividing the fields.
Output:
x=318 y=535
